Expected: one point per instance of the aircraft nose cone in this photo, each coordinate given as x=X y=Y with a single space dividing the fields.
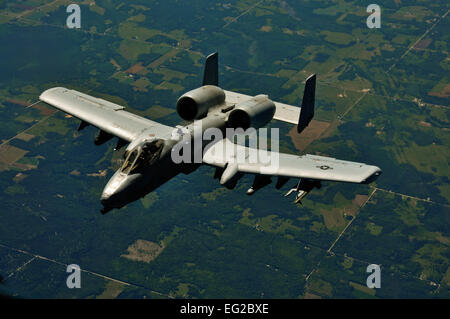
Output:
x=105 y=202
x=105 y=199
x=110 y=193
x=111 y=198
x=120 y=190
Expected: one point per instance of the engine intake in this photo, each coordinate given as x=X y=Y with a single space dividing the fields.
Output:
x=195 y=104
x=256 y=112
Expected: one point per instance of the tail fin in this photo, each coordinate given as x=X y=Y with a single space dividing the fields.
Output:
x=211 y=75
x=307 y=111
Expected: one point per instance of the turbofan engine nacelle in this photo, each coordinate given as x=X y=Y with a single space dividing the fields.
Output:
x=256 y=112
x=195 y=104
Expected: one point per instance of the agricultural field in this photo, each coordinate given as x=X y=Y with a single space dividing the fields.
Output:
x=382 y=98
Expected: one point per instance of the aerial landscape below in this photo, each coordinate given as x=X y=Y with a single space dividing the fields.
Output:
x=381 y=98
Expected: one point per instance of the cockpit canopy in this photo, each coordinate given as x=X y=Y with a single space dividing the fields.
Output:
x=142 y=156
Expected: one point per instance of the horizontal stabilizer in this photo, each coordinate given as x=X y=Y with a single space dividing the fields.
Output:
x=283 y=112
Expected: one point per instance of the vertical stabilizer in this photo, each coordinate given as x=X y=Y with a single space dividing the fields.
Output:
x=211 y=75
x=307 y=110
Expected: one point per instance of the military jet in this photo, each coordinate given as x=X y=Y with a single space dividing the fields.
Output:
x=149 y=159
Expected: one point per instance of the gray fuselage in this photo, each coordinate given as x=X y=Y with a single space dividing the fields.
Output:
x=128 y=185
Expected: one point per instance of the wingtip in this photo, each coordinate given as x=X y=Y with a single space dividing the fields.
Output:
x=48 y=91
x=373 y=176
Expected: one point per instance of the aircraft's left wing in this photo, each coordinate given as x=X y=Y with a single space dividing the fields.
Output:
x=107 y=116
x=237 y=158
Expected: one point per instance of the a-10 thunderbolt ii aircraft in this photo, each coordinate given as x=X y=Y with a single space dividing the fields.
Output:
x=149 y=161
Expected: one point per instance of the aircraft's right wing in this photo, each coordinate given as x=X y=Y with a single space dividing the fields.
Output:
x=107 y=116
